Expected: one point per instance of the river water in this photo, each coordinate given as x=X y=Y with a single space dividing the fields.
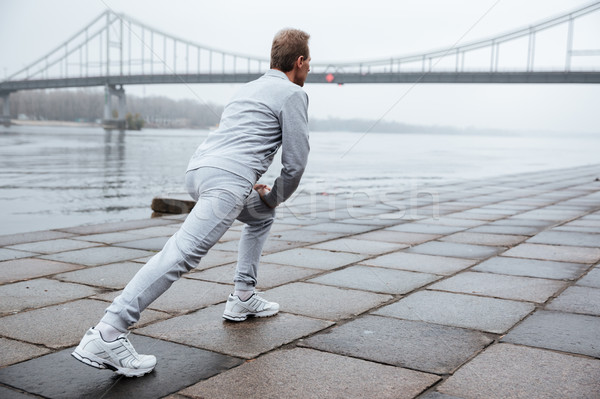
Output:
x=52 y=177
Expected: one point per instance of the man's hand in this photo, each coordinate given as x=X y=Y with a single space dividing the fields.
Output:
x=262 y=190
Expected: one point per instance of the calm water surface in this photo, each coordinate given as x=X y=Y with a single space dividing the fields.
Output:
x=53 y=177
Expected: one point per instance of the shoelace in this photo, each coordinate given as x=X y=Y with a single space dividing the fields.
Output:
x=128 y=345
x=264 y=302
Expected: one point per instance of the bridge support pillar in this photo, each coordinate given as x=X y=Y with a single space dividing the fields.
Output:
x=5 y=117
x=110 y=121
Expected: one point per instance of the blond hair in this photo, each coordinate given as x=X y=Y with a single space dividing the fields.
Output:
x=288 y=45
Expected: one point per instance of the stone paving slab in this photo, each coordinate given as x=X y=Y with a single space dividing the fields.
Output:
x=271 y=275
x=585 y=300
x=421 y=263
x=110 y=238
x=437 y=395
x=376 y=279
x=477 y=215
x=532 y=268
x=300 y=219
x=416 y=345
x=60 y=326
x=184 y=296
x=534 y=202
x=592 y=279
x=561 y=253
x=344 y=213
x=277 y=227
x=12 y=239
x=452 y=221
x=467 y=311
x=415 y=214
x=208 y=330
x=583 y=222
x=117 y=226
x=298 y=235
x=53 y=246
x=567 y=238
x=508 y=371
x=566 y=332
x=305 y=373
x=550 y=214
x=501 y=240
x=97 y=256
x=213 y=258
x=6 y=393
x=578 y=229
x=383 y=220
x=143 y=260
x=178 y=366
x=500 y=286
x=426 y=228
x=12 y=352
x=216 y=258
x=39 y=293
x=359 y=246
x=11 y=254
x=235 y=235
x=157 y=231
x=500 y=209
x=149 y=244
x=456 y=250
x=344 y=228
x=299 y=298
x=23 y=269
x=510 y=230
x=398 y=237
x=114 y=276
x=313 y=258
x=270 y=246
x=521 y=222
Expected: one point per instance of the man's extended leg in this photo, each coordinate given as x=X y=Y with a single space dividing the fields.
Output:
x=244 y=302
x=220 y=197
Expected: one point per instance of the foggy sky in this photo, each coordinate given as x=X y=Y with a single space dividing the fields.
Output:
x=340 y=31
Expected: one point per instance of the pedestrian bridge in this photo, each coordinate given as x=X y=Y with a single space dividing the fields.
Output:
x=115 y=50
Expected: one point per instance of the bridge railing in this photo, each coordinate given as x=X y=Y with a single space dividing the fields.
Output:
x=118 y=45
x=484 y=55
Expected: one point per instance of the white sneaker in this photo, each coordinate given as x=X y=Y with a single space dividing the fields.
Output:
x=118 y=355
x=238 y=310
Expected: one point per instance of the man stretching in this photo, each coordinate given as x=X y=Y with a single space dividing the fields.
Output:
x=266 y=114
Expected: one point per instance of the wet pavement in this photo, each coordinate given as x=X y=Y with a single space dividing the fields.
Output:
x=473 y=289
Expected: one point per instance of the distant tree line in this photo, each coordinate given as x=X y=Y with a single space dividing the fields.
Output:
x=88 y=105
x=158 y=111
x=369 y=125
x=58 y=105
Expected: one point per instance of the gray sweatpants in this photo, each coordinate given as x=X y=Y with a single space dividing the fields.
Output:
x=222 y=197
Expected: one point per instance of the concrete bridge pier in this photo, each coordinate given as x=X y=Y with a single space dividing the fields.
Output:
x=109 y=121
x=5 y=118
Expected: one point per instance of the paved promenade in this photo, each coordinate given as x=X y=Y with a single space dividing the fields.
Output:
x=478 y=289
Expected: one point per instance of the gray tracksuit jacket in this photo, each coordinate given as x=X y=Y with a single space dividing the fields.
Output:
x=266 y=114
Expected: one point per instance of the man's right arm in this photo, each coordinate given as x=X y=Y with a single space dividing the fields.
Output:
x=294 y=148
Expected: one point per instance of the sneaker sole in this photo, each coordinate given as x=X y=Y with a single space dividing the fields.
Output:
x=244 y=316
x=92 y=360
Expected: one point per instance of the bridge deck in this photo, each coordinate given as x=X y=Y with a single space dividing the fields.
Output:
x=339 y=78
